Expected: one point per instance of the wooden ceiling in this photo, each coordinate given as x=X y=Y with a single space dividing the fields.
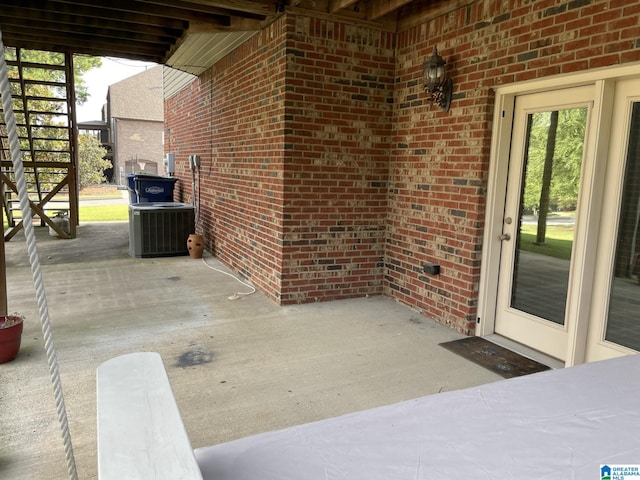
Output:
x=154 y=30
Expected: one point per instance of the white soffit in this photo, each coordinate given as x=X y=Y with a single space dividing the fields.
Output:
x=199 y=51
x=174 y=80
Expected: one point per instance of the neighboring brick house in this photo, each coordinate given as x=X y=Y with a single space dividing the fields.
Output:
x=134 y=114
x=326 y=174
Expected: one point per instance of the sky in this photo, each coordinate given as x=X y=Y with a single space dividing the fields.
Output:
x=98 y=80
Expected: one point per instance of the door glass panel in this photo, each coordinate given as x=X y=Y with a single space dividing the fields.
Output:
x=549 y=195
x=623 y=325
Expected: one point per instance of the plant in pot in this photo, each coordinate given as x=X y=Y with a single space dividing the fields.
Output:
x=10 y=336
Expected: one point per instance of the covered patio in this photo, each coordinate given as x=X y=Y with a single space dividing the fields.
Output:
x=324 y=173
x=237 y=367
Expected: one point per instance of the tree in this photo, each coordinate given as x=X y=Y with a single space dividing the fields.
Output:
x=91 y=161
x=567 y=158
x=547 y=172
x=81 y=65
x=49 y=136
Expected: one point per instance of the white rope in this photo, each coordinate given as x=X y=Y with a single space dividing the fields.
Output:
x=34 y=259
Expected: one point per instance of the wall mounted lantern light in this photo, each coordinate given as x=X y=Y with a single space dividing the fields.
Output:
x=436 y=84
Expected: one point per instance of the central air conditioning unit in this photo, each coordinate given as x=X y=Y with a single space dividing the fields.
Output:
x=160 y=229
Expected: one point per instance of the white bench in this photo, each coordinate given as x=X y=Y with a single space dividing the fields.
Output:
x=140 y=431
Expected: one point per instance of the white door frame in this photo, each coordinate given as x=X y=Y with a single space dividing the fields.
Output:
x=545 y=335
x=598 y=348
x=586 y=232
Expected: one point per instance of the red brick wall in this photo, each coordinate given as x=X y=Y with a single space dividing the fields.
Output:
x=325 y=173
x=232 y=116
x=293 y=129
x=339 y=89
x=188 y=131
x=440 y=160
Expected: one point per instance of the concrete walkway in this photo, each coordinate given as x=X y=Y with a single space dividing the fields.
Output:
x=237 y=367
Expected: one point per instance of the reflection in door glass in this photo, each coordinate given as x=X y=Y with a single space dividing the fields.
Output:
x=548 y=201
x=623 y=321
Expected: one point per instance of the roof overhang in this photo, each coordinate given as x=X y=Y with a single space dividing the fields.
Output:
x=188 y=35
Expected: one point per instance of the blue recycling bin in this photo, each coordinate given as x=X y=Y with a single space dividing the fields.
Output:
x=131 y=186
x=145 y=188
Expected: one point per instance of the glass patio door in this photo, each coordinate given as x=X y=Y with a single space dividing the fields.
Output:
x=534 y=281
x=614 y=327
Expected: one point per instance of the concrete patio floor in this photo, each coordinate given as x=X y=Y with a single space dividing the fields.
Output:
x=237 y=367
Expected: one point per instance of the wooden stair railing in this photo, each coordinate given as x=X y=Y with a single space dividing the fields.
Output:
x=47 y=132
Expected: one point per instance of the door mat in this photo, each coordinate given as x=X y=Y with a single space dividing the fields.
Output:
x=493 y=357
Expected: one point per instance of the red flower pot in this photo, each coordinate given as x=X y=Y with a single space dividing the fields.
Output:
x=10 y=337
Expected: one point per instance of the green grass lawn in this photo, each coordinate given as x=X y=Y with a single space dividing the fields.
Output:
x=103 y=213
x=558 y=242
x=97 y=213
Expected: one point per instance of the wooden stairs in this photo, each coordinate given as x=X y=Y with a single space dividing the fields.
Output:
x=43 y=98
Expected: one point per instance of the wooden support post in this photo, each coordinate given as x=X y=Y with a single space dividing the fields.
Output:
x=73 y=173
x=3 y=272
x=73 y=201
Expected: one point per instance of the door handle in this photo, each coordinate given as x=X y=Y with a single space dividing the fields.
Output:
x=504 y=236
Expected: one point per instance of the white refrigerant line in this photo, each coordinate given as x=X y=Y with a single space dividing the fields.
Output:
x=34 y=260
